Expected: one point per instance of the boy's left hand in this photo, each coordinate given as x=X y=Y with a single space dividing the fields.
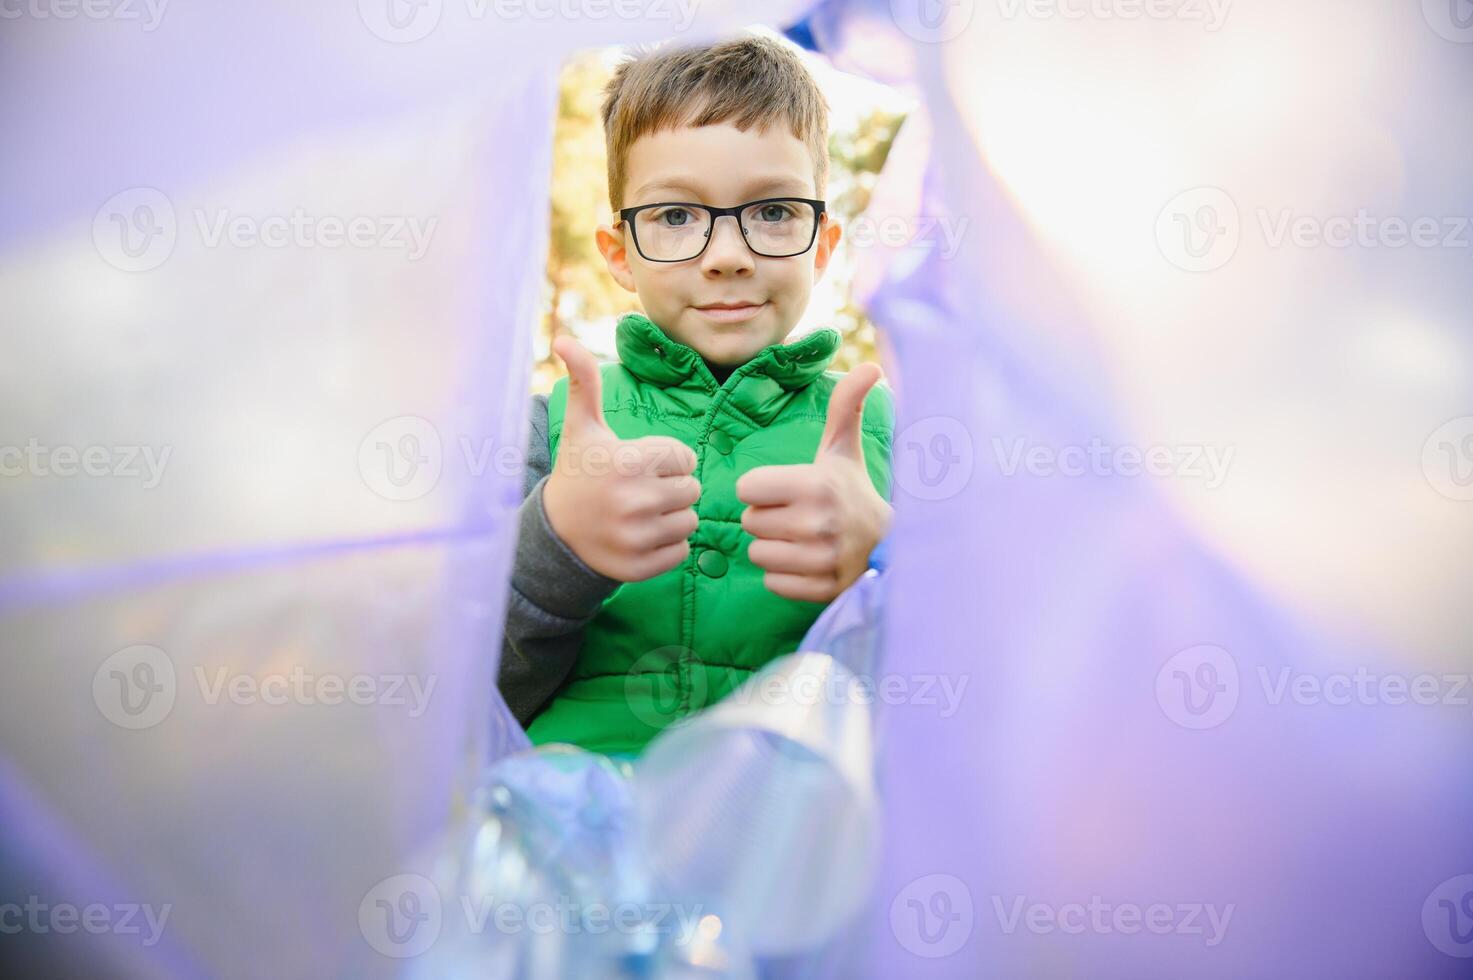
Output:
x=816 y=523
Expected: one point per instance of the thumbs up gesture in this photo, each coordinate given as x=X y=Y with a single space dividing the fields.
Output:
x=816 y=523
x=624 y=506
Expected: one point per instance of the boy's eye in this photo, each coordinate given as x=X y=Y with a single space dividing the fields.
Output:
x=672 y=217
x=774 y=212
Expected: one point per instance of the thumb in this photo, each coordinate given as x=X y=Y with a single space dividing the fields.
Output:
x=841 y=433
x=585 y=385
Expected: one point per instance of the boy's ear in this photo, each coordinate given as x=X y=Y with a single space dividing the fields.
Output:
x=828 y=240
x=611 y=245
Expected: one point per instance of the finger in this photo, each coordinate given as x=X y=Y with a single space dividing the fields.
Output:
x=672 y=527
x=773 y=486
x=804 y=588
x=788 y=556
x=841 y=431
x=788 y=524
x=664 y=455
x=585 y=408
x=661 y=560
x=674 y=493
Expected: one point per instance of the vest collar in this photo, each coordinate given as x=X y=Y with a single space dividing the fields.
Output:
x=650 y=354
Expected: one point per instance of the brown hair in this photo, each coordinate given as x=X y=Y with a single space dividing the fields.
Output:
x=745 y=81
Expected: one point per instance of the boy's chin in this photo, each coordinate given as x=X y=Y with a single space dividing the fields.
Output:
x=731 y=347
x=729 y=353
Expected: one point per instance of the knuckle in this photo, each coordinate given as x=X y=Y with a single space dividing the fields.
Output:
x=626 y=536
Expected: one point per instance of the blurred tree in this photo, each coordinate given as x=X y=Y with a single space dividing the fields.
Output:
x=855 y=158
x=578 y=286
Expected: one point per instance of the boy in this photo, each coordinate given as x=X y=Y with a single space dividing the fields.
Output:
x=690 y=509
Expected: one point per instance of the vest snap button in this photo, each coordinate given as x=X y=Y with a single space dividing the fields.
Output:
x=712 y=563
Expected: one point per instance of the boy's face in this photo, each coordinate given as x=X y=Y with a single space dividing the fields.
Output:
x=721 y=166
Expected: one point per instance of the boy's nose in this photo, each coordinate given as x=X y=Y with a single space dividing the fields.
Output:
x=727 y=251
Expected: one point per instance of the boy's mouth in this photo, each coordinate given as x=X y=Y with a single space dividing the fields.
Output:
x=730 y=312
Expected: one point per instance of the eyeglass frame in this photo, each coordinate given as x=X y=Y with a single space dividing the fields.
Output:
x=820 y=208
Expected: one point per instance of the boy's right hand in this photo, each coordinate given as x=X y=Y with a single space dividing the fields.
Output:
x=625 y=506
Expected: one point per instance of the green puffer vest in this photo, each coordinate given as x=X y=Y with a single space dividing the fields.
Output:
x=664 y=648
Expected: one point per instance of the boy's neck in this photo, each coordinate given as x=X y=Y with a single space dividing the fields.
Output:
x=719 y=372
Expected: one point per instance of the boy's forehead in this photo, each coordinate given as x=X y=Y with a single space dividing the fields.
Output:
x=719 y=161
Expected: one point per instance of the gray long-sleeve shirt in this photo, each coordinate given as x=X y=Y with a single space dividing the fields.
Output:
x=553 y=593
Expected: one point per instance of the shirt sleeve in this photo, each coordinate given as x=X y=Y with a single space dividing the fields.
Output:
x=553 y=593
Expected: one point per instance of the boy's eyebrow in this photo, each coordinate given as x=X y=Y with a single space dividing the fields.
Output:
x=785 y=184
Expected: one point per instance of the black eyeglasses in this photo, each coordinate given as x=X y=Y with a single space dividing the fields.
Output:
x=678 y=231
